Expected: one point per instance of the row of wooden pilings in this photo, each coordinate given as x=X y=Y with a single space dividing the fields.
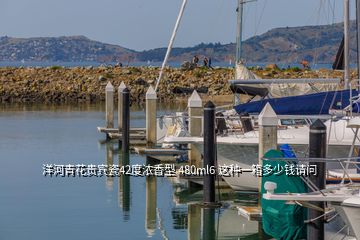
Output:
x=124 y=113
x=195 y=112
x=202 y=121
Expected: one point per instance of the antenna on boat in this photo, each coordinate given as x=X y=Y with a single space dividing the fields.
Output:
x=172 y=39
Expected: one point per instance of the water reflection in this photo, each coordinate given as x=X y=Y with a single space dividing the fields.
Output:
x=179 y=216
x=109 y=162
x=208 y=223
x=186 y=214
x=124 y=198
x=150 y=215
x=194 y=222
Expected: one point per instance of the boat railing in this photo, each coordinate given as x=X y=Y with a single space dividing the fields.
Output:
x=344 y=176
x=234 y=122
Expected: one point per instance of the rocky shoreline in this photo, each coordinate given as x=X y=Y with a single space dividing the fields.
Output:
x=87 y=84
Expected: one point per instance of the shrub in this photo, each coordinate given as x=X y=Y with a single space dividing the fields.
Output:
x=56 y=67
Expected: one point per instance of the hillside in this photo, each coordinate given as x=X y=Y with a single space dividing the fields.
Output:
x=66 y=49
x=290 y=44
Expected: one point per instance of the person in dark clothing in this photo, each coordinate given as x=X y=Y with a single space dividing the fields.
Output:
x=196 y=60
x=209 y=64
x=206 y=62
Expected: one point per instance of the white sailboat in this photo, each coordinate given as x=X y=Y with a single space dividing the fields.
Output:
x=242 y=149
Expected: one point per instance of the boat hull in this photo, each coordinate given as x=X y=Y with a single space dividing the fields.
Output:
x=350 y=213
x=245 y=156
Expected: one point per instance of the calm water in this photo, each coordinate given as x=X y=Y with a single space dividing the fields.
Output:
x=36 y=207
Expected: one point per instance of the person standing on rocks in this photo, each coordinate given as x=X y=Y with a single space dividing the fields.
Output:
x=196 y=60
x=206 y=62
x=209 y=63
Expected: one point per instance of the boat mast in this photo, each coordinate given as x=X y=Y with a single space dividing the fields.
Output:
x=181 y=13
x=240 y=10
x=358 y=38
x=346 y=43
x=239 y=28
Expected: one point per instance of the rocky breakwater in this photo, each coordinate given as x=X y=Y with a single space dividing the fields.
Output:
x=86 y=84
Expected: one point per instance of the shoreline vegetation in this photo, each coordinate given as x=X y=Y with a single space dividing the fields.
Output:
x=87 y=84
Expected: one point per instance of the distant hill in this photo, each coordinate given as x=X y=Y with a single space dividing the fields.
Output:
x=66 y=49
x=290 y=44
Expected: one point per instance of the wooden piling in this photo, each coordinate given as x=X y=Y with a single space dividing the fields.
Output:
x=195 y=127
x=120 y=105
x=317 y=149
x=109 y=107
x=151 y=116
x=268 y=122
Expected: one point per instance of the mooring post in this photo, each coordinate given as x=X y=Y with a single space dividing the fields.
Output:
x=195 y=127
x=317 y=149
x=268 y=122
x=120 y=105
x=209 y=152
x=151 y=116
x=126 y=121
x=109 y=105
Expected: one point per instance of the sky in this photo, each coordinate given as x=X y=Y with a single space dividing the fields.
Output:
x=148 y=24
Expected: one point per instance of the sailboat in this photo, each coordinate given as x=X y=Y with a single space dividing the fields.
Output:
x=344 y=198
x=238 y=144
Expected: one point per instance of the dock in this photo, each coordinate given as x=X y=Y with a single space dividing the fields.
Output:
x=137 y=135
x=219 y=182
x=161 y=154
x=116 y=130
x=251 y=213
